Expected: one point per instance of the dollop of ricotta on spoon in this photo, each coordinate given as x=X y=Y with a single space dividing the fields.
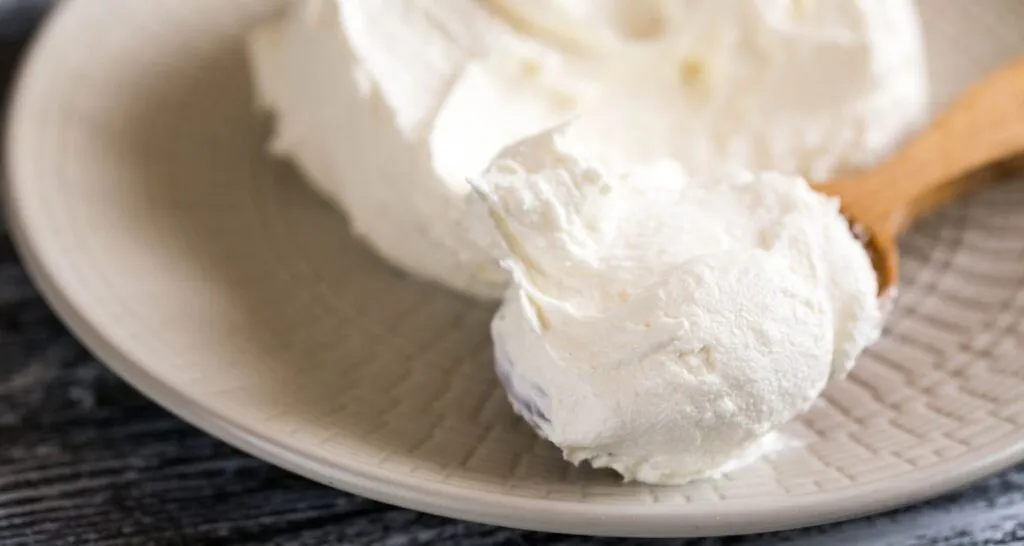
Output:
x=663 y=323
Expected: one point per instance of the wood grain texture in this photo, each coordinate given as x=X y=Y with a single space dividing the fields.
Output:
x=86 y=460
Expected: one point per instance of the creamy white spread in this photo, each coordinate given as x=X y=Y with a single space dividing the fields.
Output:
x=388 y=105
x=661 y=323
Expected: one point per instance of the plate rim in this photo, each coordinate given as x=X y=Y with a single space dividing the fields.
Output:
x=405 y=490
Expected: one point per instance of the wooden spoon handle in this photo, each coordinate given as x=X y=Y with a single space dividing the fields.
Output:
x=985 y=126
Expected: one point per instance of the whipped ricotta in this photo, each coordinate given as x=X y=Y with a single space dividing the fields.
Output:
x=388 y=105
x=664 y=324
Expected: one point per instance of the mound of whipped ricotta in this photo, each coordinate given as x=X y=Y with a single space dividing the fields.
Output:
x=664 y=324
x=388 y=105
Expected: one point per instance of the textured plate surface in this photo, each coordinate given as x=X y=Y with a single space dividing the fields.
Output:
x=207 y=275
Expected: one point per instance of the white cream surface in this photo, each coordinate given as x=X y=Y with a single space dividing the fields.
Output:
x=664 y=324
x=388 y=105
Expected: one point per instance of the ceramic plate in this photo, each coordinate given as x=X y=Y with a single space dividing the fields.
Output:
x=209 y=277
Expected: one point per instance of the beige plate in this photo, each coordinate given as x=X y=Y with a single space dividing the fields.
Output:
x=209 y=277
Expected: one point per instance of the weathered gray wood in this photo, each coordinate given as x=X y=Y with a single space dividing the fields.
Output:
x=84 y=459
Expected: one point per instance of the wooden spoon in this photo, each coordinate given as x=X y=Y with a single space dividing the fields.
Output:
x=946 y=161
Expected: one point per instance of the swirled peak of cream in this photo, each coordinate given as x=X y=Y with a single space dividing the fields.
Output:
x=388 y=105
x=664 y=324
